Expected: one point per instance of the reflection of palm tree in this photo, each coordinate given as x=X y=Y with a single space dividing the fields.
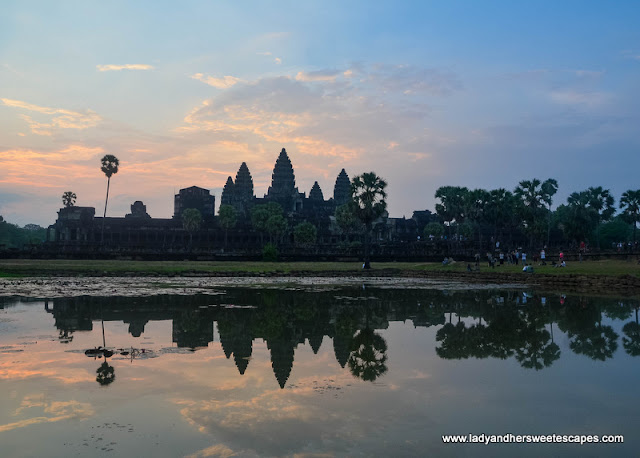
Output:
x=535 y=349
x=631 y=343
x=536 y=354
x=599 y=342
x=368 y=357
x=106 y=374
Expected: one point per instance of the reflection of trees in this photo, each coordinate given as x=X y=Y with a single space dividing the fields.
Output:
x=631 y=342
x=599 y=342
x=106 y=374
x=587 y=335
x=368 y=357
x=535 y=351
x=487 y=324
x=457 y=341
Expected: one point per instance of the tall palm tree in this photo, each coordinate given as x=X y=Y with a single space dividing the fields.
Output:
x=368 y=193
x=549 y=188
x=602 y=202
x=630 y=203
x=109 y=167
x=533 y=195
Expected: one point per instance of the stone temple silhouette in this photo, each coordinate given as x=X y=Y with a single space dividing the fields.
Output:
x=79 y=230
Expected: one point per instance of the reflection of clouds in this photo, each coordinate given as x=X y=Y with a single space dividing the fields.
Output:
x=215 y=450
x=21 y=370
x=57 y=410
x=299 y=416
x=50 y=366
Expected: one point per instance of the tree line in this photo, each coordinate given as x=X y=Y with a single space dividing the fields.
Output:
x=500 y=215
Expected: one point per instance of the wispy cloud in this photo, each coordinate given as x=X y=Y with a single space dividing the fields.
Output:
x=221 y=83
x=117 y=68
x=576 y=98
x=59 y=117
x=320 y=75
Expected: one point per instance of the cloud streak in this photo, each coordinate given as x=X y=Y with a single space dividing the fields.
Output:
x=221 y=83
x=117 y=68
x=59 y=118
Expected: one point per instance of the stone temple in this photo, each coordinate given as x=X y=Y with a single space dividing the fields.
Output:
x=283 y=191
x=79 y=230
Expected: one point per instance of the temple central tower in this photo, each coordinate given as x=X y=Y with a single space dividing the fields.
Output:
x=283 y=182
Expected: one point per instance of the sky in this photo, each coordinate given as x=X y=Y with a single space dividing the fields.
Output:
x=425 y=94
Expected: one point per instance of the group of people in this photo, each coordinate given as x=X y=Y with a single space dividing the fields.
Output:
x=519 y=256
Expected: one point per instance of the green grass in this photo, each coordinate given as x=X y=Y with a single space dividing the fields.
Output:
x=602 y=267
x=22 y=267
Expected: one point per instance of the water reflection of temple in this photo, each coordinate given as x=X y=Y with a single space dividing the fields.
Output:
x=480 y=324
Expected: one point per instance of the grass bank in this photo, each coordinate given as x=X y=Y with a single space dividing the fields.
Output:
x=32 y=267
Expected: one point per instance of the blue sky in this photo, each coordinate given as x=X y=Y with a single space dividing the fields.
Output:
x=480 y=94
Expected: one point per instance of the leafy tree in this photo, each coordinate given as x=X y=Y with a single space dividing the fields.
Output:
x=579 y=219
x=500 y=211
x=276 y=226
x=110 y=165
x=227 y=217
x=191 y=222
x=260 y=214
x=630 y=204
x=452 y=203
x=305 y=234
x=616 y=230
x=368 y=193
x=434 y=229
x=465 y=230
x=476 y=203
x=602 y=202
x=13 y=236
x=69 y=199
x=532 y=196
x=346 y=218
x=270 y=253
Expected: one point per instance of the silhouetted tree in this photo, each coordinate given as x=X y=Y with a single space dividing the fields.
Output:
x=227 y=217
x=69 y=199
x=602 y=202
x=191 y=221
x=109 y=167
x=433 y=229
x=630 y=204
x=368 y=193
x=260 y=215
x=305 y=234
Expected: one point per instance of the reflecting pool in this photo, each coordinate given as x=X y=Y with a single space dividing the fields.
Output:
x=330 y=370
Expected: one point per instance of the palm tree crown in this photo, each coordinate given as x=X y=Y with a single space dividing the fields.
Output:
x=110 y=165
x=368 y=192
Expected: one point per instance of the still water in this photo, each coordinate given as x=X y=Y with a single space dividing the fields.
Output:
x=371 y=370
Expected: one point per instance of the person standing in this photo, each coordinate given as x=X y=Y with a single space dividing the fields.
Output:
x=543 y=255
x=524 y=258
